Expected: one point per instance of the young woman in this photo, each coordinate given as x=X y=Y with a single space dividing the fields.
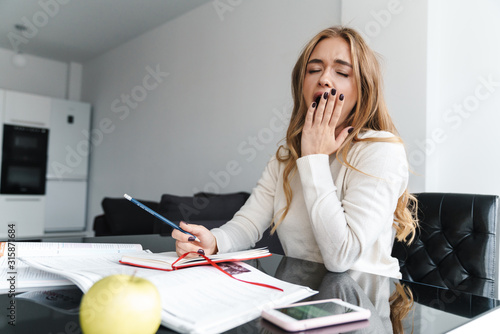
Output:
x=336 y=193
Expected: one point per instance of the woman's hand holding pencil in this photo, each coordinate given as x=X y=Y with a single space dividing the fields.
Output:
x=186 y=242
x=189 y=238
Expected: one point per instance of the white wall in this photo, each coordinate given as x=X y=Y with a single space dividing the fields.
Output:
x=40 y=75
x=442 y=86
x=465 y=72
x=229 y=84
x=397 y=30
x=222 y=102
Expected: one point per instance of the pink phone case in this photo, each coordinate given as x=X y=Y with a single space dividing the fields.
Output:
x=290 y=324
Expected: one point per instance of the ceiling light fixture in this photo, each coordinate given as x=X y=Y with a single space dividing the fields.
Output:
x=20 y=27
x=19 y=59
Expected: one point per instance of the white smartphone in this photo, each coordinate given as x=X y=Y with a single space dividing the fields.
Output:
x=320 y=313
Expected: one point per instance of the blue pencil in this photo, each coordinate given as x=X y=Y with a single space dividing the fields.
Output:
x=157 y=215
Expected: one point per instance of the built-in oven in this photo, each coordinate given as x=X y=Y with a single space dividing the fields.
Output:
x=24 y=160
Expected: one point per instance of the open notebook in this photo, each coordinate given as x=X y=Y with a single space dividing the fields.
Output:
x=170 y=261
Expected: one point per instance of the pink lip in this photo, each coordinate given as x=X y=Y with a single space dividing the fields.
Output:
x=317 y=96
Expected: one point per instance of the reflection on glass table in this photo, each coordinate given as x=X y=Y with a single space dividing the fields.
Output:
x=396 y=306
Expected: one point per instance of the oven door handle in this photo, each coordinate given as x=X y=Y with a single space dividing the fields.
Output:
x=22 y=199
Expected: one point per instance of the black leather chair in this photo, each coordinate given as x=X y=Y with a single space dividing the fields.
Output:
x=456 y=246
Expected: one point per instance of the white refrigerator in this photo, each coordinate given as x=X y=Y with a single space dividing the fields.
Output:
x=67 y=166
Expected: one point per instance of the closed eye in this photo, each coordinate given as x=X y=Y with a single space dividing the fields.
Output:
x=312 y=71
x=343 y=74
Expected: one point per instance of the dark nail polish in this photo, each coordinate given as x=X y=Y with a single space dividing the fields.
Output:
x=334 y=91
x=341 y=97
x=201 y=251
x=191 y=238
x=350 y=130
x=325 y=96
x=314 y=105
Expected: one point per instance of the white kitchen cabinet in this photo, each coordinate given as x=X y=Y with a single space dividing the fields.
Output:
x=63 y=206
x=26 y=212
x=2 y=114
x=27 y=109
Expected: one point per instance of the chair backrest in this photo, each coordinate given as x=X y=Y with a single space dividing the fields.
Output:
x=456 y=246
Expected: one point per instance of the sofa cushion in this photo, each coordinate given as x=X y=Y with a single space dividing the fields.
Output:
x=210 y=210
x=101 y=227
x=202 y=206
x=124 y=217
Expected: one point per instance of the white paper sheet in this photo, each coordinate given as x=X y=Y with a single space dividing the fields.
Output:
x=195 y=300
x=27 y=278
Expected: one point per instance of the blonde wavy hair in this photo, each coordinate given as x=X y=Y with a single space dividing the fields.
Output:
x=369 y=113
x=401 y=303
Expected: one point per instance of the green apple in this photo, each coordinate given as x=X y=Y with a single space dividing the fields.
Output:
x=121 y=304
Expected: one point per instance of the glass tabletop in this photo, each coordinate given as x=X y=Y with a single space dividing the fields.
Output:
x=396 y=305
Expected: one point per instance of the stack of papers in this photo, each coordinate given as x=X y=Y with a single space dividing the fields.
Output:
x=198 y=299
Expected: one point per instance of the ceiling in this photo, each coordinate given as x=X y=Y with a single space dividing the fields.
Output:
x=79 y=30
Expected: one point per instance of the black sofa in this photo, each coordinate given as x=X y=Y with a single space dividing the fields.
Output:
x=121 y=217
x=210 y=210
